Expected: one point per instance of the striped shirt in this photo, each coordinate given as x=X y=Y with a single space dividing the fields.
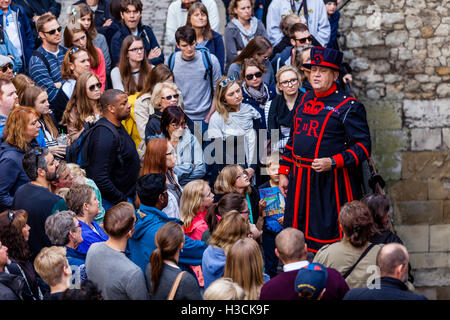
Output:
x=39 y=72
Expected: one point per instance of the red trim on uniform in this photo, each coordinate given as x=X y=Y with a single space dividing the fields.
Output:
x=354 y=155
x=293 y=123
x=364 y=148
x=311 y=250
x=339 y=159
x=326 y=93
x=324 y=64
x=338 y=204
x=283 y=170
x=287 y=159
x=307 y=201
x=298 y=187
x=348 y=185
x=288 y=147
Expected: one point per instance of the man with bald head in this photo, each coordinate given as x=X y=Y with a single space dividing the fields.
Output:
x=392 y=260
x=291 y=249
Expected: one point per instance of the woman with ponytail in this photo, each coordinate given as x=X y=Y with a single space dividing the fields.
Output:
x=163 y=268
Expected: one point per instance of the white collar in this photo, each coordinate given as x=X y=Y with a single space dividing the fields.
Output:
x=295 y=265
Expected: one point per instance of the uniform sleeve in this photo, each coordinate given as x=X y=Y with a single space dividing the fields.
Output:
x=358 y=137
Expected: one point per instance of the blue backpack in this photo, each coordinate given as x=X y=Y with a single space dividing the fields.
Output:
x=207 y=62
x=77 y=152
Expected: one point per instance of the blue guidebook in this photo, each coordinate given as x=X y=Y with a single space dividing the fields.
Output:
x=274 y=210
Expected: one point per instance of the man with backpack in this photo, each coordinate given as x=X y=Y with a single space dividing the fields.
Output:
x=108 y=152
x=196 y=72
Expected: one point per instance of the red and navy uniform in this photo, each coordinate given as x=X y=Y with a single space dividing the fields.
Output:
x=329 y=124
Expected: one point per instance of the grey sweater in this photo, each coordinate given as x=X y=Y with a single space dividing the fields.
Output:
x=195 y=89
x=188 y=288
x=115 y=275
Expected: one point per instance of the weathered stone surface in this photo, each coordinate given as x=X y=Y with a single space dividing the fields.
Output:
x=431 y=114
x=396 y=38
x=414 y=237
x=419 y=212
x=432 y=277
x=409 y=190
x=440 y=238
x=427 y=32
x=429 y=260
x=443 y=90
x=446 y=138
x=425 y=165
x=425 y=139
x=439 y=189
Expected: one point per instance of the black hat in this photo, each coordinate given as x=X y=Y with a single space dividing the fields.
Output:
x=326 y=1
x=325 y=57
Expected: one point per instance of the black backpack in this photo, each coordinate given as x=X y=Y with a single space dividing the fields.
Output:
x=77 y=152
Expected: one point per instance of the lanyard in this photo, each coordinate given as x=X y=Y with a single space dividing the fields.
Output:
x=249 y=208
x=293 y=6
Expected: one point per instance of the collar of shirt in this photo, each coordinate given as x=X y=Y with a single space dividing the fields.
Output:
x=6 y=14
x=295 y=265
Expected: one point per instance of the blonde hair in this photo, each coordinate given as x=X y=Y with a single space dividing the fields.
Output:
x=49 y=264
x=284 y=69
x=227 y=178
x=78 y=174
x=191 y=201
x=219 y=96
x=231 y=228
x=156 y=94
x=224 y=289
x=244 y=265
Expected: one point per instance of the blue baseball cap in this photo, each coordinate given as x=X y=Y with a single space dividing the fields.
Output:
x=312 y=277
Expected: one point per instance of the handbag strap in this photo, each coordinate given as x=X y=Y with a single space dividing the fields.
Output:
x=349 y=271
x=175 y=285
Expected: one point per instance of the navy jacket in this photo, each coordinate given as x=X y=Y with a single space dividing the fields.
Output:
x=25 y=33
x=12 y=175
x=145 y=32
x=391 y=289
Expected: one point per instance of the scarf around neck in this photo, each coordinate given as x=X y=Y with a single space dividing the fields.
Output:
x=249 y=34
x=259 y=95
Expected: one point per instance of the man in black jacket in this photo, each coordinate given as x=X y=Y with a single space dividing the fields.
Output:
x=113 y=161
x=393 y=261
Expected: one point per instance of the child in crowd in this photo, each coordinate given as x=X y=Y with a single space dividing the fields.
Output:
x=333 y=18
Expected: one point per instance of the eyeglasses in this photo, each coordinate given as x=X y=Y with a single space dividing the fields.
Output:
x=179 y=125
x=228 y=80
x=254 y=75
x=139 y=49
x=98 y=85
x=73 y=50
x=53 y=31
x=6 y=67
x=289 y=82
x=303 y=40
x=175 y=96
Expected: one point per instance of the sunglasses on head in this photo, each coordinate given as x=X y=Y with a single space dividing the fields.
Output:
x=53 y=31
x=92 y=87
x=175 y=96
x=6 y=67
x=228 y=80
x=254 y=75
x=73 y=50
x=303 y=40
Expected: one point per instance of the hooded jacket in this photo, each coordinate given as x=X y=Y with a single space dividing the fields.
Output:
x=11 y=286
x=11 y=163
x=213 y=264
x=142 y=244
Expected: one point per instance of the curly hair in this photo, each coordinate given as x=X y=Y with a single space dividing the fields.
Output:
x=16 y=125
x=11 y=234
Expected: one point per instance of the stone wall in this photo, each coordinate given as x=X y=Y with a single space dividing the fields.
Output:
x=400 y=53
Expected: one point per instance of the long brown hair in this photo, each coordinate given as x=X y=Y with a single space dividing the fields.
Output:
x=73 y=28
x=83 y=106
x=168 y=240
x=233 y=5
x=16 y=126
x=207 y=31
x=258 y=45
x=71 y=55
x=81 y=10
x=22 y=82
x=129 y=84
x=155 y=157
x=29 y=99
x=229 y=202
x=160 y=73
x=11 y=234
x=230 y=229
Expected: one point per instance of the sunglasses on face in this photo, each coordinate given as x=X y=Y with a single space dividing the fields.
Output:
x=303 y=40
x=175 y=96
x=254 y=75
x=6 y=67
x=224 y=83
x=53 y=31
x=98 y=85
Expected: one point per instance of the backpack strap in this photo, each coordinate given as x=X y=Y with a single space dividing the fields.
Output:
x=39 y=54
x=171 y=61
x=207 y=62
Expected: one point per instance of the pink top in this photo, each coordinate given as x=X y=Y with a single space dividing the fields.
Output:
x=100 y=71
x=197 y=227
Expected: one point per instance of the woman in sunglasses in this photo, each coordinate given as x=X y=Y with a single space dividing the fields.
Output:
x=190 y=162
x=37 y=98
x=235 y=121
x=164 y=94
x=76 y=35
x=76 y=62
x=254 y=91
x=260 y=49
x=14 y=234
x=83 y=106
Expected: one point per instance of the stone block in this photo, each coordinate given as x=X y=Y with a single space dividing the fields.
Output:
x=429 y=260
x=426 y=114
x=392 y=17
x=446 y=138
x=425 y=165
x=429 y=292
x=385 y=114
x=439 y=189
x=413 y=22
x=427 y=32
x=443 y=293
x=415 y=237
x=419 y=212
x=446 y=211
x=440 y=238
x=409 y=190
x=397 y=38
x=443 y=90
x=425 y=139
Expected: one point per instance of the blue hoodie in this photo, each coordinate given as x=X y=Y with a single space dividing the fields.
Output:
x=213 y=264
x=142 y=244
